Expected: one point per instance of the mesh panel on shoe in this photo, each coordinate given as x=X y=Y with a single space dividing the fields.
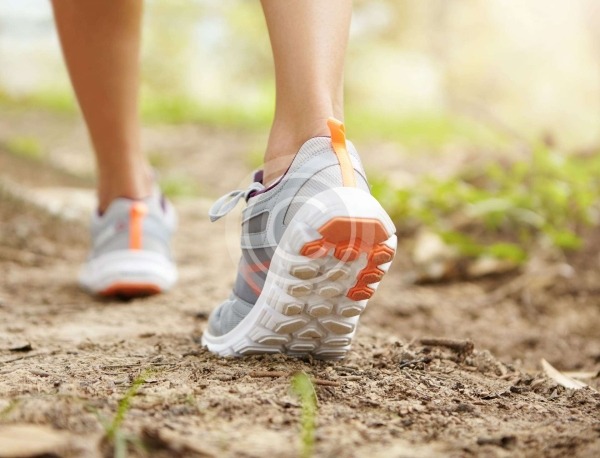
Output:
x=314 y=146
x=321 y=181
x=258 y=223
x=229 y=314
x=252 y=273
x=154 y=239
x=111 y=231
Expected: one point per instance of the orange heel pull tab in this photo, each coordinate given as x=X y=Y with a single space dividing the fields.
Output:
x=338 y=140
x=136 y=220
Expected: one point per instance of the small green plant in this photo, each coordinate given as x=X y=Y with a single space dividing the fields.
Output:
x=501 y=211
x=179 y=109
x=304 y=389
x=158 y=159
x=179 y=187
x=429 y=131
x=27 y=147
x=114 y=433
x=60 y=101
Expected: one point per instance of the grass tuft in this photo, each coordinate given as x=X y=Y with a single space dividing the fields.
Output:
x=503 y=210
x=114 y=433
x=305 y=390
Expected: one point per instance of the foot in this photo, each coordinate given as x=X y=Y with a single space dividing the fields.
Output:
x=314 y=248
x=130 y=253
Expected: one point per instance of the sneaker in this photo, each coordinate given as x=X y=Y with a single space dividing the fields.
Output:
x=314 y=248
x=130 y=253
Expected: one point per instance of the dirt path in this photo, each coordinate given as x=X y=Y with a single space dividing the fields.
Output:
x=67 y=359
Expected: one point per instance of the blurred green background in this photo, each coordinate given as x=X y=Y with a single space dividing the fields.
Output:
x=511 y=87
x=422 y=72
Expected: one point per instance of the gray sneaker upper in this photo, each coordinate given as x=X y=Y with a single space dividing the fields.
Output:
x=314 y=169
x=112 y=230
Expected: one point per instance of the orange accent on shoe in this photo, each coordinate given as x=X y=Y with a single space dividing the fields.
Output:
x=249 y=269
x=338 y=140
x=358 y=293
x=381 y=254
x=136 y=219
x=349 y=238
x=372 y=276
x=130 y=290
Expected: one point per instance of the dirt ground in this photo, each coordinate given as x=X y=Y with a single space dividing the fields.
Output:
x=67 y=359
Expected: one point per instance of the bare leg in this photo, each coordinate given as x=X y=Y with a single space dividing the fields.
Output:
x=101 y=45
x=309 y=39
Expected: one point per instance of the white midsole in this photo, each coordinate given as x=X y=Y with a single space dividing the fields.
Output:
x=128 y=267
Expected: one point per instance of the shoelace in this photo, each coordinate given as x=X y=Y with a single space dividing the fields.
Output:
x=226 y=203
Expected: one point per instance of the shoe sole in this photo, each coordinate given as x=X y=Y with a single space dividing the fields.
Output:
x=328 y=264
x=128 y=273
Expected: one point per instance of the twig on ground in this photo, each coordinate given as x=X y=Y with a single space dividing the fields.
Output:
x=51 y=353
x=39 y=373
x=460 y=346
x=22 y=347
x=350 y=369
x=319 y=381
x=267 y=374
x=120 y=366
x=414 y=361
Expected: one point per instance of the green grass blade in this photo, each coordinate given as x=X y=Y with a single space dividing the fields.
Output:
x=304 y=389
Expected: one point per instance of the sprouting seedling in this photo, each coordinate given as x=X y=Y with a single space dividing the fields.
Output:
x=113 y=430
x=304 y=389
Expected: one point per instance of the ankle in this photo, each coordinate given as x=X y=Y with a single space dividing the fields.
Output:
x=131 y=185
x=285 y=140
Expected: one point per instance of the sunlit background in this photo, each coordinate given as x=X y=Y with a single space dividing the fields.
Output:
x=479 y=120
x=456 y=70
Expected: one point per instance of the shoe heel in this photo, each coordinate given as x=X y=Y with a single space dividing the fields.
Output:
x=353 y=244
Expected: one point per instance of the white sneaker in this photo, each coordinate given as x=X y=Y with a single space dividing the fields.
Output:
x=314 y=248
x=130 y=253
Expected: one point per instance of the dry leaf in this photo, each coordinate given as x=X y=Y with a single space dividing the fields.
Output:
x=582 y=375
x=25 y=441
x=561 y=378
